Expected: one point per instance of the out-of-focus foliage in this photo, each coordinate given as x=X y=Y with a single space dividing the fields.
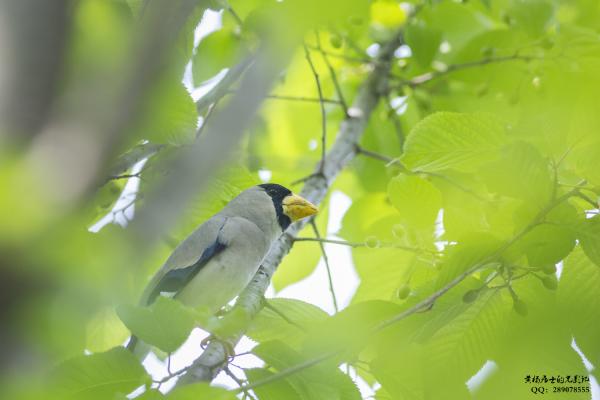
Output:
x=476 y=192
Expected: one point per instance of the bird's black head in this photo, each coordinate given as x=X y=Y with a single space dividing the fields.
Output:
x=277 y=194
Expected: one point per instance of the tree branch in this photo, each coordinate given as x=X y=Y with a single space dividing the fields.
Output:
x=341 y=153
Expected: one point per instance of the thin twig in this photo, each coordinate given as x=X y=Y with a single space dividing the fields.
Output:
x=240 y=383
x=301 y=98
x=306 y=178
x=124 y=176
x=363 y=244
x=323 y=116
x=207 y=116
x=395 y=121
x=588 y=200
x=276 y=96
x=290 y=371
x=395 y=161
x=336 y=83
x=362 y=60
x=376 y=156
x=171 y=376
x=429 y=76
x=327 y=267
x=235 y=15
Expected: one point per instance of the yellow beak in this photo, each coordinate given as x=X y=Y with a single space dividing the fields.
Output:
x=297 y=207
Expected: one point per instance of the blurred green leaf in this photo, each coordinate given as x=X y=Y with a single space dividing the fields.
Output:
x=166 y=324
x=170 y=114
x=216 y=51
x=531 y=15
x=520 y=171
x=387 y=14
x=99 y=376
x=105 y=331
x=418 y=202
x=424 y=42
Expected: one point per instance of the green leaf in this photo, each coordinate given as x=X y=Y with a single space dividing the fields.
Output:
x=532 y=15
x=359 y=319
x=105 y=331
x=320 y=381
x=200 y=391
x=546 y=244
x=360 y=221
x=387 y=14
x=470 y=251
x=424 y=42
x=279 y=389
x=270 y=325
x=395 y=268
x=463 y=345
x=170 y=115
x=579 y=302
x=166 y=324
x=521 y=172
x=99 y=376
x=589 y=237
x=216 y=51
x=151 y=394
x=463 y=204
x=584 y=159
x=446 y=140
x=458 y=22
x=416 y=199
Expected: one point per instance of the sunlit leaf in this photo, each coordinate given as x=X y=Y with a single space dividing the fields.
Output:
x=589 y=236
x=279 y=389
x=286 y=319
x=417 y=200
x=320 y=381
x=453 y=141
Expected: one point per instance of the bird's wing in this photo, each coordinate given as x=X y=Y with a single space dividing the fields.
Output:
x=187 y=260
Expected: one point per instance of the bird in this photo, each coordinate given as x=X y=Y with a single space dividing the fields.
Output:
x=218 y=259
